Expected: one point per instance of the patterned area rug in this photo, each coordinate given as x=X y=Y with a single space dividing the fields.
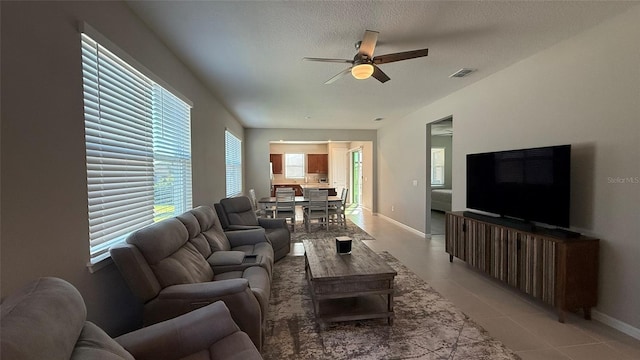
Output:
x=352 y=230
x=426 y=325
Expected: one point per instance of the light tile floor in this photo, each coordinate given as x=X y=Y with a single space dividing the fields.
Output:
x=526 y=326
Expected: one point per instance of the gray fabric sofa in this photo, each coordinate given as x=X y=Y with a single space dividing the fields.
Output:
x=182 y=263
x=47 y=320
x=237 y=213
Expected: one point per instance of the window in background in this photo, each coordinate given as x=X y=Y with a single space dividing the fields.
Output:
x=437 y=166
x=233 y=160
x=138 y=149
x=294 y=166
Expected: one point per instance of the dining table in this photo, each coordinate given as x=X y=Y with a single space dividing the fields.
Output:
x=270 y=201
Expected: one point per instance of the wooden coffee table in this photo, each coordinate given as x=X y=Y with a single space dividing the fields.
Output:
x=348 y=287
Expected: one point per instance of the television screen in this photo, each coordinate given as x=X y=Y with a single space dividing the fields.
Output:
x=528 y=184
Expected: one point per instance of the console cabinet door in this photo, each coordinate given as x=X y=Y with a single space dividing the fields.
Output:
x=559 y=272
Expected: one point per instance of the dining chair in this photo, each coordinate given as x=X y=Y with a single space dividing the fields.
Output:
x=260 y=211
x=286 y=205
x=318 y=208
x=337 y=214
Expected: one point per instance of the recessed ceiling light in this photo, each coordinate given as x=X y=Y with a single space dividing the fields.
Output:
x=462 y=73
x=378 y=119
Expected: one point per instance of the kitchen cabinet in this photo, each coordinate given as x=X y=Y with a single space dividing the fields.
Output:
x=276 y=161
x=317 y=163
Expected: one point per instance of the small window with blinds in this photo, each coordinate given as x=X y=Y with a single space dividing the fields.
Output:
x=294 y=166
x=233 y=161
x=138 y=149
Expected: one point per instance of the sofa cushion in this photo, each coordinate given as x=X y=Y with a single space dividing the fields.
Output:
x=185 y=266
x=172 y=258
x=94 y=343
x=211 y=228
x=239 y=211
x=47 y=303
x=195 y=236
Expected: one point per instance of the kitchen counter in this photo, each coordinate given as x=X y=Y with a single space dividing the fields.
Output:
x=298 y=187
x=316 y=186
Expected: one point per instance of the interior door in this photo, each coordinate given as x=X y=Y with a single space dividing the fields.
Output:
x=339 y=168
x=356 y=177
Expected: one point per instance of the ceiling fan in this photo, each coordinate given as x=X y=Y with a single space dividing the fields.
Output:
x=364 y=64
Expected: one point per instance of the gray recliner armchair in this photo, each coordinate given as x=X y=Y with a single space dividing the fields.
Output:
x=237 y=213
x=165 y=265
x=47 y=320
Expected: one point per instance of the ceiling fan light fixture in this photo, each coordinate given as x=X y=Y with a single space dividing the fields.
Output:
x=362 y=71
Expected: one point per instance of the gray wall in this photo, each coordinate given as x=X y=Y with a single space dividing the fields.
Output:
x=256 y=157
x=583 y=91
x=44 y=199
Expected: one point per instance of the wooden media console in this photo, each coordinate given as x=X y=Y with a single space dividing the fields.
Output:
x=562 y=272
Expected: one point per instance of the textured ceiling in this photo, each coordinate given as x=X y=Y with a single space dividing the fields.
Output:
x=249 y=52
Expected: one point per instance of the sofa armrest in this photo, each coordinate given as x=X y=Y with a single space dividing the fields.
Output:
x=176 y=300
x=241 y=227
x=204 y=291
x=136 y=271
x=273 y=223
x=246 y=237
x=182 y=336
x=225 y=258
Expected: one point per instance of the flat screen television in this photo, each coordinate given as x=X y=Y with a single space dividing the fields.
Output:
x=527 y=184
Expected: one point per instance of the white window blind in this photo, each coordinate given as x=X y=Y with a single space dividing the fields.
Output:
x=294 y=166
x=138 y=152
x=233 y=160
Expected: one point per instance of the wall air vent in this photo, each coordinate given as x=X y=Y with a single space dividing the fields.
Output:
x=462 y=73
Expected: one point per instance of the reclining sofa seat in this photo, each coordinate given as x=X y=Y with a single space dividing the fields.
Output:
x=237 y=213
x=250 y=241
x=46 y=319
x=165 y=266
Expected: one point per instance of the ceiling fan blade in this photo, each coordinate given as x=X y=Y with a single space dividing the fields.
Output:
x=388 y=58
x=339 y=75
x=343 y=61
x=380 y=75
x=368 y=43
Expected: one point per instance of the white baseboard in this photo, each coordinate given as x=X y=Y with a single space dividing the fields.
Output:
x=406 y=227
x=616 y=324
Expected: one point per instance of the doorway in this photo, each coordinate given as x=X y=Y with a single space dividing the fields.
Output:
x=439 y=172
x=356 y=177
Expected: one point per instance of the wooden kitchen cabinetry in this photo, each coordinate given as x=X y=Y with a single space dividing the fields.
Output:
x=276 y=161
x=562 y=272
x=317 y=163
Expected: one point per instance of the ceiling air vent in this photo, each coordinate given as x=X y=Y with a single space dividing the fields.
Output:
x=462 y=73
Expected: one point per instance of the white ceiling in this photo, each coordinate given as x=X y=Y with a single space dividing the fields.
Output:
x=249 y=52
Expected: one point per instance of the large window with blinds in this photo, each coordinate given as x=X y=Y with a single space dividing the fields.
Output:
x=233 y=161
x=138 y=149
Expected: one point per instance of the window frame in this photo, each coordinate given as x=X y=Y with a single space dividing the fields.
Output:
x=233 y=164
x=435 y=167
x=288 y=172
x=120 y=115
